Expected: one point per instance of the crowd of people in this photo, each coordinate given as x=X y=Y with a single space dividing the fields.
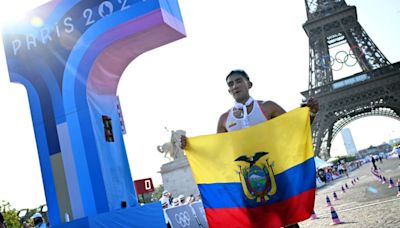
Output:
x=168 y=201
x=340 y=169
x=335 y=171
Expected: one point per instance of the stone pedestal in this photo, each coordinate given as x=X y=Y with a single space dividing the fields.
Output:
x=178 y=178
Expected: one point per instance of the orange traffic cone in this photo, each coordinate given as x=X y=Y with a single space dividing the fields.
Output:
x=313 y=215
x=391 y=184
x=328 y=201
x=335 y=217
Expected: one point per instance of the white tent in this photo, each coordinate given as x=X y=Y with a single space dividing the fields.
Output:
x=333 y=159
x=320 y=164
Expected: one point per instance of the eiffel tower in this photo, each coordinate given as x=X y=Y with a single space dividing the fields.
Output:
x=373 y=92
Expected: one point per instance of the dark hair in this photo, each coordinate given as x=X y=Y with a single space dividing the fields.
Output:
x=37 y=220
x=240 y=72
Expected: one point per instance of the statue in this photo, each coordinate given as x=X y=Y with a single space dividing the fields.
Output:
x=172 y=149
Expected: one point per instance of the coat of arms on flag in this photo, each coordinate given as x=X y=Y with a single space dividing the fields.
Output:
x=258 y=181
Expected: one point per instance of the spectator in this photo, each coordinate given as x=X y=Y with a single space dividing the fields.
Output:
x=164 y=203
x=175 y=202
x=340 y=169
x=38 y=220
x=373 y=162
x=197 y=197
x=328 y=175
x=190 y=199
x=166 y=197
x=181 y=199
x=321 y=175
x=398 y=151
x=344 y=167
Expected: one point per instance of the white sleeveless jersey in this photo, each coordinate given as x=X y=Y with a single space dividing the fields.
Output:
x=256 y=116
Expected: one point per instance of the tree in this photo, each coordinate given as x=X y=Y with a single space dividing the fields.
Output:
x=10 y=215
x=156 y=195
x=347 y=158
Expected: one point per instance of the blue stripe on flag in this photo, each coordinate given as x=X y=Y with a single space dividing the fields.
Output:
x=292 y=182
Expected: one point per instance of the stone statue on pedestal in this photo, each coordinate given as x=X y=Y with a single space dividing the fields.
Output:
x=172 y=149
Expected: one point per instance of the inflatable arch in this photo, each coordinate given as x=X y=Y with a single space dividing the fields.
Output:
x=70 y=55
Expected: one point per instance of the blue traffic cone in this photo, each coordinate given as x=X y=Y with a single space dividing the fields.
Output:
x=335 y=217
x=347 y=187
x=383 y=180
x=344 y=191
x=352 y=182
x=328 y=201
x=398 y=187
x=335 y=196
x=375 y=173
x=391 y=184
x=357 y=179
x=313 y=215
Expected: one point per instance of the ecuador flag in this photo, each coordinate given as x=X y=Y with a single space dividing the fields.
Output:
x=262 y=176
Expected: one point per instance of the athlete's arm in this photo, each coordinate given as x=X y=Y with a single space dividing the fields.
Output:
x=272 y=109
x=221 y=123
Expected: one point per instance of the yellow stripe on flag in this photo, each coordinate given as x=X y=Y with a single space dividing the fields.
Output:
x=286 y=138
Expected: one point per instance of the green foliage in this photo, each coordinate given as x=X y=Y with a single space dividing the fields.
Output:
x=156 y=195
x=15 y=219
x=10 y=215
x=348 y=158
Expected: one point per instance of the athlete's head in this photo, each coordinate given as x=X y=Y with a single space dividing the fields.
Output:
x=239 y=84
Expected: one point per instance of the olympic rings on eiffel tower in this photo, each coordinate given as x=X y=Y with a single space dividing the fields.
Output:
x=341 y=59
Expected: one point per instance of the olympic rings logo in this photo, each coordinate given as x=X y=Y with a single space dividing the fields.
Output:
x=341 y=59
x=183 y=219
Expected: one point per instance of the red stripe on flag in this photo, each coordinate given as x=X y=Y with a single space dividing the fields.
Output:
x=292 y=210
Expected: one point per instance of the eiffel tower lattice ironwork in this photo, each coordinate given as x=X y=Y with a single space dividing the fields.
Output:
x=374 y=91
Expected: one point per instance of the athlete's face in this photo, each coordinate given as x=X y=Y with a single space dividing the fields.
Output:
x=239 y=87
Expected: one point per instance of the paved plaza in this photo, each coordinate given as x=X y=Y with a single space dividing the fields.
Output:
x=368 y=203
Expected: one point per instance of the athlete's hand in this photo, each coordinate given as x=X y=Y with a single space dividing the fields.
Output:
x=183 y=143
x=312 y=103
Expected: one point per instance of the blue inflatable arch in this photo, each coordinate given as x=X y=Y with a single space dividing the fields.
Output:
x=70 y=56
